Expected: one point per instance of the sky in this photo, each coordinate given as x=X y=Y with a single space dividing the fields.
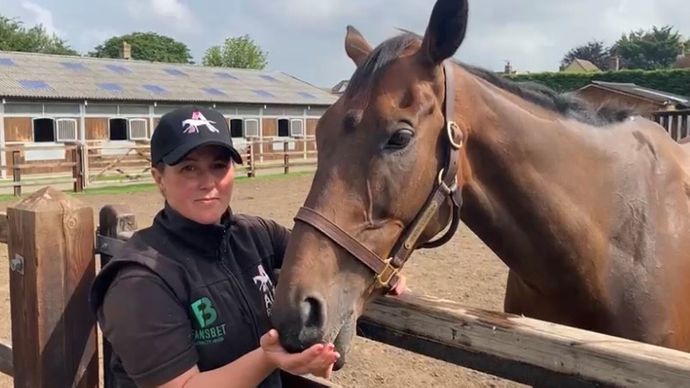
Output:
x=305 y=38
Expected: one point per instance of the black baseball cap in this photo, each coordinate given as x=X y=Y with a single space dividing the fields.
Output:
x=184 y=129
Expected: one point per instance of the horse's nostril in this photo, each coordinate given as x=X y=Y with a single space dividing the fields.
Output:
x=312 y=312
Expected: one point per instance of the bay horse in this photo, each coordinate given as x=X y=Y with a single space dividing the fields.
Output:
x=589 y=208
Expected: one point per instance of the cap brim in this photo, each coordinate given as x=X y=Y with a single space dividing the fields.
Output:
x=179 y=153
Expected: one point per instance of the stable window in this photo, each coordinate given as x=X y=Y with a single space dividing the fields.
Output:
x=251 y=128
x=236 y=128
x=283 y=128
x=44 y=130
x=138 y=129
x=297 y=128
x=118 y=129
x=66 y=130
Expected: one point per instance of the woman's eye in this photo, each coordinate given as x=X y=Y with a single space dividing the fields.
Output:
x=400 y=139
x=189 y=168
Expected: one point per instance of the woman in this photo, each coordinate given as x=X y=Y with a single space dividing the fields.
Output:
x=187 y=302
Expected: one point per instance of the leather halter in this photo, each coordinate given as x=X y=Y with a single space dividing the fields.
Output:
x=386 y=270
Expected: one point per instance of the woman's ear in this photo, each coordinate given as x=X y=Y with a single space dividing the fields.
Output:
x=158 y=178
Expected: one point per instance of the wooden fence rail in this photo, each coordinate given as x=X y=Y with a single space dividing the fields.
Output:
x=91 y=164
x=676 y=122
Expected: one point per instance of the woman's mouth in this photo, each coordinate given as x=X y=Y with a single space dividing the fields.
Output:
x=206 y=200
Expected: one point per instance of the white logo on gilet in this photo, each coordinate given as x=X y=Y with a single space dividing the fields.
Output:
x=263 y=282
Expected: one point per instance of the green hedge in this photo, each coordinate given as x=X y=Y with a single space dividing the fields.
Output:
x=674 y=81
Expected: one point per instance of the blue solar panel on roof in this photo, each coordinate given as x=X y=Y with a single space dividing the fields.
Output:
x=154 y=89
x=7 y=62
x=73 y=65
x=175 y=72
x=118 y=69
x=33 y=84
x=214 y=91
x=263 y=93
x=306 y=95
x=268 y=78
x=222 y=74
x=110 y=87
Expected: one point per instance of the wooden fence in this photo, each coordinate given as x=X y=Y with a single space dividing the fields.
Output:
x=676 y=122
x=33 y=173
x=52 y=246
x=97 y=163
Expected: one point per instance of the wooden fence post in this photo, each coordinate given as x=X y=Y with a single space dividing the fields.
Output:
x=286 y=157
x=250 y=169
x=77 y=169
x=17 y=160
x=112 y=221
x=51 y=252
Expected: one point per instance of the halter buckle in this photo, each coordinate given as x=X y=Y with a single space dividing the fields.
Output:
x=387 y=274
x=451 y=127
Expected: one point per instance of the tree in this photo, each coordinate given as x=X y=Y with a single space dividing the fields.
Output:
x=147 y=46
x=649 y=50
x=594 y=51
x=15 y=37
x=213 y=57
x=239 y=52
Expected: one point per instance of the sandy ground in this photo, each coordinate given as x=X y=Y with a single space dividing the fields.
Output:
x=464 y=270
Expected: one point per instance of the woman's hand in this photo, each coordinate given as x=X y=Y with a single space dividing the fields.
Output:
x=400 y=287
x=317 y=360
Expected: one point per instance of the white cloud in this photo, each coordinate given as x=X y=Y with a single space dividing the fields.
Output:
x=41 y=15
x=312 y=13
x=171 y=12
x=172 y=9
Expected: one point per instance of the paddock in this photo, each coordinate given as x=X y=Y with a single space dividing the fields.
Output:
x=465 y=272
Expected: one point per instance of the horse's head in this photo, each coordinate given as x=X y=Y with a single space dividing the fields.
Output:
x=387 y=166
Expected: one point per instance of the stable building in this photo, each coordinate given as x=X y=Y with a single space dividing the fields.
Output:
x=645 y=100
x=51 y=100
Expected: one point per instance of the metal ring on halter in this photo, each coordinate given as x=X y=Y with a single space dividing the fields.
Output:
x=441 y=183
x=450 y=128
x=440 y=176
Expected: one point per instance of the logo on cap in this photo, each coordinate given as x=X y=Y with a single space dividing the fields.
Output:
x=192 y=125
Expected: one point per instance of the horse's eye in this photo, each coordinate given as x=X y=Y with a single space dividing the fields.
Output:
x=400 y=139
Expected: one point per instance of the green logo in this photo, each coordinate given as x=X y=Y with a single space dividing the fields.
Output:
x=205 y=316
x=204 y=312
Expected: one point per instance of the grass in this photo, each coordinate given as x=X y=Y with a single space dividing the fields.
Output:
x=149 y=186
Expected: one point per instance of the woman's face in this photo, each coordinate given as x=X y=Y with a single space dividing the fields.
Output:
x=200 y=186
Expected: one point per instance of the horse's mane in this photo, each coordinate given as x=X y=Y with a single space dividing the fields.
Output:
x=566 y=104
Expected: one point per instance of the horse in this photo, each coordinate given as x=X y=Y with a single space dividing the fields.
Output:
x=588 y=207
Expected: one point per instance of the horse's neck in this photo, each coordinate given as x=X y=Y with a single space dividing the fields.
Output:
x=532 y=191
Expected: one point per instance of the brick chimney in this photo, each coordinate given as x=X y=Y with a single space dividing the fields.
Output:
x=614 y=63
x=508 y=69
x=126 y=50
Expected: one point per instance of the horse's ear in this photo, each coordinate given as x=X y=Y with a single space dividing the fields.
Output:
x=356 y=46
x=446 y=30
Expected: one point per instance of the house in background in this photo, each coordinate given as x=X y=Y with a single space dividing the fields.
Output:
x=683 y=59
x=580 y=66
x=645 y=100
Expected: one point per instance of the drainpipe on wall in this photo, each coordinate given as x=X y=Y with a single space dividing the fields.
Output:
x=3 y=154
x=82 y=141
